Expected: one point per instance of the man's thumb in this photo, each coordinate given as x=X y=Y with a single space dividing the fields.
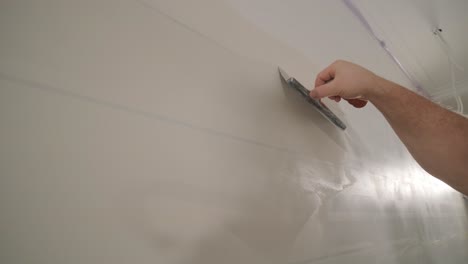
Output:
x=322 y=91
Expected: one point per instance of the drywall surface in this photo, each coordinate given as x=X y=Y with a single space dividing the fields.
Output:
x=326 y=30
x=159 y=132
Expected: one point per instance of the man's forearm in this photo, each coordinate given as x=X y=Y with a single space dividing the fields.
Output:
x=436 y=137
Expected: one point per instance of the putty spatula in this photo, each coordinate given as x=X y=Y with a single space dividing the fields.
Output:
x=321 y=107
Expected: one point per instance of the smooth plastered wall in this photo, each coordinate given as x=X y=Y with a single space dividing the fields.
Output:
x=159 y=132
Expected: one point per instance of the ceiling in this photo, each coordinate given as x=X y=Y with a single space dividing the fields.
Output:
x=409 y=27
x=328 y=30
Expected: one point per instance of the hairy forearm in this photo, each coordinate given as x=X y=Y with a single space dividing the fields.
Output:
x=436 y=137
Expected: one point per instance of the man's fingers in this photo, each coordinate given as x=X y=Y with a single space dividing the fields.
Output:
x=325 y=76
x=325 y=90
x=323 y=83
x=335 y=98
x=358 y=103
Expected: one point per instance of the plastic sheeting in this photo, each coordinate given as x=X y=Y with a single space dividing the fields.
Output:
x=159 y=132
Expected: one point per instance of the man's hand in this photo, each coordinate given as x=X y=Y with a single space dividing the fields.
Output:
x=434 y=136
x=345 y=80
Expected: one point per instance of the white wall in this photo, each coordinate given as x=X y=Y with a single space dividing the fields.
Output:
x=159 y=132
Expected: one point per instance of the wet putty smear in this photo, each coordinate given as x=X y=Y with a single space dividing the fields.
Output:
x=143 y=132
